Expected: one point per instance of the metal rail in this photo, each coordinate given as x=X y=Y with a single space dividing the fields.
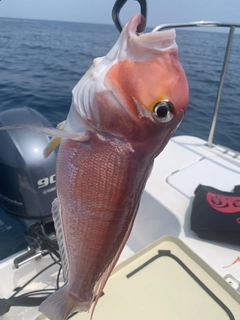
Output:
x=231 y=27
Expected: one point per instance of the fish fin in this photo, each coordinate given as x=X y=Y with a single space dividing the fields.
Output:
x=53 y=132
x=104 y=277
x=54 y=142
x=56 y=214
x=60 y=305
x=61 y=125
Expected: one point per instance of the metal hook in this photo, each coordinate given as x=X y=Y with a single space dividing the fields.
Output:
x=118 y=6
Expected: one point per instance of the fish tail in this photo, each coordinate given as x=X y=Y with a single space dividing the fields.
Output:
x=60 y=305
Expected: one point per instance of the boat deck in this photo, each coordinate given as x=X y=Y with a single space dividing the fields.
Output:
x=167 y=201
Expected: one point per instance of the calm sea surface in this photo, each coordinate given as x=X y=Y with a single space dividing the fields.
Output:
x=41 y=61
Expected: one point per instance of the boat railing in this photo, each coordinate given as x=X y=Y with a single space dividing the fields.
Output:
x=231 y=27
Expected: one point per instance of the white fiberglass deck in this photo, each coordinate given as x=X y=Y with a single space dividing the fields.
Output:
x=165 y=210
x=166 y=205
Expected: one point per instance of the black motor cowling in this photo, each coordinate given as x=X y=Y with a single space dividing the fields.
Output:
x=27 y=180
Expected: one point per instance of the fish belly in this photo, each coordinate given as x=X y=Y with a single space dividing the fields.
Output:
x=99 y=185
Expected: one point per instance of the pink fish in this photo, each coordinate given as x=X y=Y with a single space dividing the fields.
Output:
x=124 y=111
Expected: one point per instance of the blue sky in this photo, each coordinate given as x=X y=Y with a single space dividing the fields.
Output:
x=99 y=11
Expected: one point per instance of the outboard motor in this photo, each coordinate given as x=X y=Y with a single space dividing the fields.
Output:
x=27 y=180
x=27 y=186
x=27 y=190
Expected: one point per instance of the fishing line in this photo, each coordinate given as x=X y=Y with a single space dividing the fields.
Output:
x=26 y=299
x=32 y=298
x=37 y=292
x=29 y=281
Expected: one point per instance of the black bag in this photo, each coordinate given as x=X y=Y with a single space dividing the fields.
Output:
x=216 y=214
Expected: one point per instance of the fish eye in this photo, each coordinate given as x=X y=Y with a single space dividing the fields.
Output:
x=163 y=111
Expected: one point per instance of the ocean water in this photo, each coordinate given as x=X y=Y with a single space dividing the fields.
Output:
x=41 y=61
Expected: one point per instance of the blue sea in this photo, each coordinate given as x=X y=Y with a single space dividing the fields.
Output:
x=41 y=61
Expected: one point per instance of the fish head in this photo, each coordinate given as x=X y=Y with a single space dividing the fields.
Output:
x=139 y=89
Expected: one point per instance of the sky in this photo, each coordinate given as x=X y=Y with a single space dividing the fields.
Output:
x=99 y=11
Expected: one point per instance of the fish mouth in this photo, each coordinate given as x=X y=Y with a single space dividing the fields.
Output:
x=158 y=40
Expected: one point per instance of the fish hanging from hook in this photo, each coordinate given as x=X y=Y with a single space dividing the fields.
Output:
x=116 y=11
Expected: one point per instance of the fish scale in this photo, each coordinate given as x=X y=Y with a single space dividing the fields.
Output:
x=95 y=194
